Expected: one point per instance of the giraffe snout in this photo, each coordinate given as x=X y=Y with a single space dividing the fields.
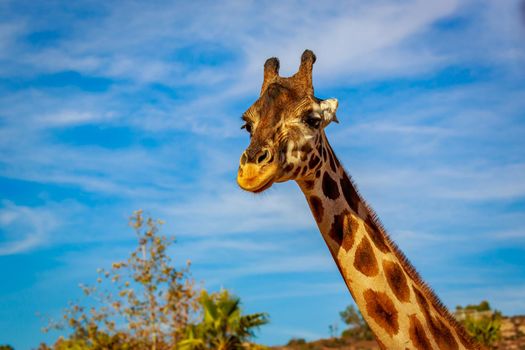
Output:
x=257 y=170
x=258 y=157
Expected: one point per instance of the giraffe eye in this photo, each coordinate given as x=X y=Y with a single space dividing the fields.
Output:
x=312 y=121
x=248 y=127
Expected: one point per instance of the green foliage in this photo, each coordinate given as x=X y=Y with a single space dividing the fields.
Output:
x=96 y=341
x=223 y=327
x=482 y=306
x=483 y=324
x=6 y=347
x=485 y=330
x=149 y=299
x=358 y=328
x=145 y=303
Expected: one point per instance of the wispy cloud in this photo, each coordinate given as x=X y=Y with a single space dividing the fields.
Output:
x=231 y=211
x=24 y=228
x=509 y=235
x=351 y=32
x=470 y=182
x=299 y=290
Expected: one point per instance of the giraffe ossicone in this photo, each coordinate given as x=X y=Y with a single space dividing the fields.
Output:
x=287 y=142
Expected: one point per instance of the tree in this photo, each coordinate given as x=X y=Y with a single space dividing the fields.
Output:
x=333 y=329
x=6 y=347
x=481 y=322
x=358 y=328
x=147 y=303
x=486 y=330
x=482 y=306
x=223 y=327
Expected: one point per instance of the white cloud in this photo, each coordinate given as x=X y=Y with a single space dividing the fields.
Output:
x=512 y=235
x=358 y=41
x=301 y=290
x=24 y=228
x=71 y=118
x=462 y=182
x=8 y=33
x=228 y=210
x=277 y=264
x=484 y=183
x=350 y=38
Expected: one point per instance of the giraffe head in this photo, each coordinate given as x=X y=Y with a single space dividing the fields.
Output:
x=286 y=126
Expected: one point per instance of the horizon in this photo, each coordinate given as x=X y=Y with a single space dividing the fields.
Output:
x=106 y=108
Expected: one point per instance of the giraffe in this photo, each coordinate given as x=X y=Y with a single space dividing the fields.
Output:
x=287 y=142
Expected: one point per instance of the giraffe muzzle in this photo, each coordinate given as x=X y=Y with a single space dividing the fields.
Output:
x=258 y=175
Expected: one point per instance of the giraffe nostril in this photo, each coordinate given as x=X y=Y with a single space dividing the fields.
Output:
x=243 y=159
x=264 y=155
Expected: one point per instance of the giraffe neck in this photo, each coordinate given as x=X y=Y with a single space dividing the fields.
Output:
x=402 y=311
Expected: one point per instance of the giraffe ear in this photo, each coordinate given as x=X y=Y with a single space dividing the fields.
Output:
x=328 y=109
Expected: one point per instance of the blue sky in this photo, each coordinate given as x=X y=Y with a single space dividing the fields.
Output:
x=107 y=107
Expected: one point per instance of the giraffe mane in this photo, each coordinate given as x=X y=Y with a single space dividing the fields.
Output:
x=413 y=273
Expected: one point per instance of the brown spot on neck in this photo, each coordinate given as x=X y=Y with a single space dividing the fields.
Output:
x=396 y=280
x=350 y=226
x=377 y=236
x=440 y=331
x=343 y=230
x=443 y=335
x=330 y=188
x=336 y=232
x=365 y=260
x=350 y=194
x=417 y=334
x=314 y=161
x=382 y=310
x=421 y=300
x=317 y=208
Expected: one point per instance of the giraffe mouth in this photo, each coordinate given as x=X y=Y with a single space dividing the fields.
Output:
x=264 y=187
x=254 y=179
